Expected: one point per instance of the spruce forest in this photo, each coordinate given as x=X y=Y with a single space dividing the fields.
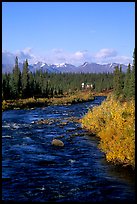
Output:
x=41 y=84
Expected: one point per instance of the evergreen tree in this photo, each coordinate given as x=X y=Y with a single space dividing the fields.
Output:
x=132 y=80
x=127 y=83
x=5 y=86
x=15 y=81
x=117 y=82
x=43 y=84
x=31 y=84
x=25 y=80
x=121 y=79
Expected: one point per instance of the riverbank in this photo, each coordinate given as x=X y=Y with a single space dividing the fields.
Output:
x=35 y=170
x=66 y=99
x=114 y=123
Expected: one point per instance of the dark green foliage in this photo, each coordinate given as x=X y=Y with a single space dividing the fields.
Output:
x=15 y=81
x=25 y=80
x=127 y=85
x=6 y=86
x=31 y=84
x=118 y=82
x=124 y=84
x=43 y=84
x=47 y=85
x=132 y=82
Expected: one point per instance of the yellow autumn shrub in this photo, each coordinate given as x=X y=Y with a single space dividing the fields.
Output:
x=114 y=123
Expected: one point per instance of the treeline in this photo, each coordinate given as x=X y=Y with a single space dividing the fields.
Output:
x=124 y=84
x=26 y=84
x=41 y=84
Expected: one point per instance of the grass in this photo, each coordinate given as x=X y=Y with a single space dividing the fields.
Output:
x=76 y=97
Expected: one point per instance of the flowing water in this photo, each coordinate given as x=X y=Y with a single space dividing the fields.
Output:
x=35 y=170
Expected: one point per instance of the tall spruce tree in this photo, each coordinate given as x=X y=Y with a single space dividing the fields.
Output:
x=132 y=80
x=5 y=86
x=31 y=84
x=127 y=83
x=25 y=80
x=117 y=82
x=15 y=82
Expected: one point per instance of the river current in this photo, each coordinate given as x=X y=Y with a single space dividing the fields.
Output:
x=35 y=170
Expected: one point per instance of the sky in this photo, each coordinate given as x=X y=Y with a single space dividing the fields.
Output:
x=69 y=32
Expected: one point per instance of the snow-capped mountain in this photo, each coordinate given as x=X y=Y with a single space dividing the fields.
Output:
x=66 y=68
x=99 y=68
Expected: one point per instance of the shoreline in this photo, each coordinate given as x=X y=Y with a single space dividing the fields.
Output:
x=113 y=123
x=67 y=99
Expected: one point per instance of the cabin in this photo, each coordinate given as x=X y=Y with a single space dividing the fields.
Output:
x=86 y=85
x=82 y=85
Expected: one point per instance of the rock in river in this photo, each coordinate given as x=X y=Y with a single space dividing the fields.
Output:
x=57 y=142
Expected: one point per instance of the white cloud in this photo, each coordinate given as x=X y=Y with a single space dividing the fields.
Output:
x=79 y=55
x=122 y=60
x=26 y=53
x=58 y=56
x=8 y=57
x=105 y=53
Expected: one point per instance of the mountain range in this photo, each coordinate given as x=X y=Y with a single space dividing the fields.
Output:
x=67 y=68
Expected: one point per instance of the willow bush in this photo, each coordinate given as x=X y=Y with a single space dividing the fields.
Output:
x=114 y=123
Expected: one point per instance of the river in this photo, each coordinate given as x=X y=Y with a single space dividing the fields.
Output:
x=35 y=170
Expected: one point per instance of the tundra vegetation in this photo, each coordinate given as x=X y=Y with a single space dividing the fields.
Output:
x=114 y=120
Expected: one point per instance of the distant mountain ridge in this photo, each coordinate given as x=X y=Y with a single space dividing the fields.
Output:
x=68 y=68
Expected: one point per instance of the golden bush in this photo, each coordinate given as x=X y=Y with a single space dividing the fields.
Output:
x=114 y=123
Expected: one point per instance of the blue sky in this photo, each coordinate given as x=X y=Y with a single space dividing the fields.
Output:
x=71 y=32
